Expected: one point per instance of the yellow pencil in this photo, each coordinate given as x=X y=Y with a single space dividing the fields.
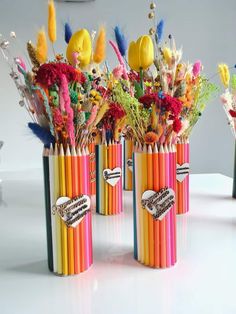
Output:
x=69 y=193
x=57 y=217
x=150 y=218
x=63 y=226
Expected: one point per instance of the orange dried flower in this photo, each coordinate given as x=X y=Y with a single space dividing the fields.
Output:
x=150 y=138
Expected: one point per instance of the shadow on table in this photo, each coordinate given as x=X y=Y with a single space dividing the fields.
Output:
x=213 y=220
x=36 y=268
x=212 y=197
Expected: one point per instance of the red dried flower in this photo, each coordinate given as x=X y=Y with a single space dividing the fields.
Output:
x=116 y=111
x=171 y=104
x=177 y=125
x=148 y=99
x=232 y=113
x=51 y=73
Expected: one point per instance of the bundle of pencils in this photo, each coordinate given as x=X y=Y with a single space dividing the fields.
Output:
x=228 y=99
x=128 y=164
x=182 y=176
x=66 y=174
x=154 y=238
x=109 y=200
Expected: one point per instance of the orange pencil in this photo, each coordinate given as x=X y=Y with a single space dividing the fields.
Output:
x=150 y=218
x=145 y=212
x=70 y=236
x=163 y=221
x=82 y=224
x=75 y=192
x=156 y=187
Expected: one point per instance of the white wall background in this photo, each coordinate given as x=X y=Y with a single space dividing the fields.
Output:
x=205 y=29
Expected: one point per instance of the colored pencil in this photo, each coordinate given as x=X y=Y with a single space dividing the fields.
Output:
x=75 y=192
x=53 y=198
x=174 y=162
x=135 y=205
x=86 y=188
x=92 y=165
x=57 y=218
x=63 y=225
x=156 y=187
x=107 y=205
x=168 y=215
x=82 y=223
x=69 y=193
x=150 y=218
x=120 y=190
x=48 y=208
x=128 y=175
x=144 y=212
x=163 y=221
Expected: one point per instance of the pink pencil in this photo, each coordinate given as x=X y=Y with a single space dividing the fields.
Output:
x=120 y=202
x=85 y=179
x=174 y=207
x=187 y=158
x=89 y=214
x=172 y=211
x=168 y=215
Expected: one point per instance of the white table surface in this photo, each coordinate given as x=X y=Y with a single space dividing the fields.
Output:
x=203 y=280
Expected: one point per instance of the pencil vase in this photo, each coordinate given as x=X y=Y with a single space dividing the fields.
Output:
x=182 y=176
x=92 y=168
x=68 y=215
x=154 y=212
x=108 y=179
x=234 y=176
x=128 y=164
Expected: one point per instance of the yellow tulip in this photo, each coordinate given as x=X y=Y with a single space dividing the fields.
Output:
x=141 y=53
x=81 y=44
x=224 y=74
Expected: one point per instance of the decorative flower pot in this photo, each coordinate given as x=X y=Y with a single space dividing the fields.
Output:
x=109 y=200
x=68 y=215
x=154 y=207
x=182 y=176
x=234 y=176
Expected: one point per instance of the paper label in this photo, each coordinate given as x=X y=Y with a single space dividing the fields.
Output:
x=182 y=171
x=158 y=203
x=112 y=176
x=72 y=211
x=130 y=164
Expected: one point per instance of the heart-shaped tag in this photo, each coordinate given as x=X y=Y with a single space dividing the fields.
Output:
x=182 y=171
x=112 y=176
x=72 y=211
x=158 y=203
x=130 y=164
